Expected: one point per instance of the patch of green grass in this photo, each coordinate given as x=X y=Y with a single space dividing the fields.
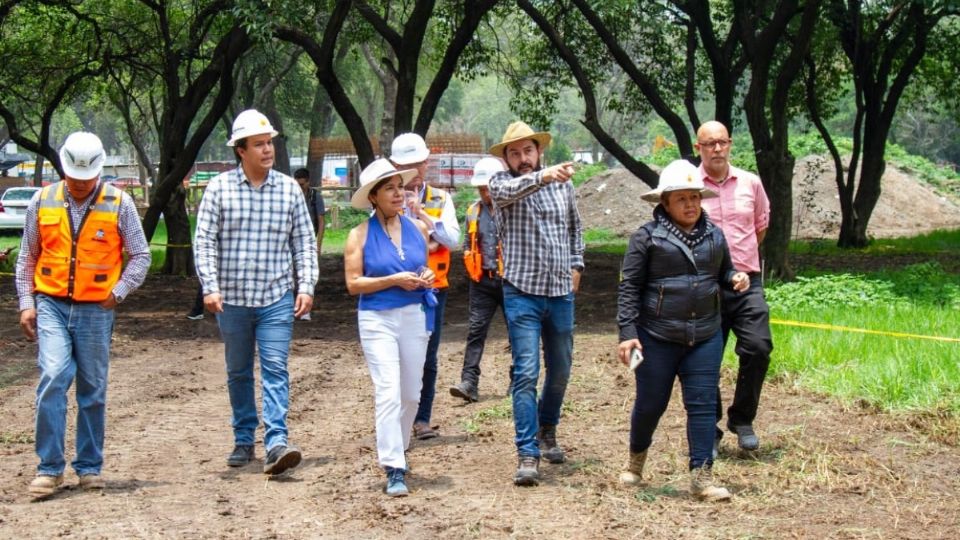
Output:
x=499 y=411
x=8 y=438
x=587 y=172
x=934 y=242
x=887 y=368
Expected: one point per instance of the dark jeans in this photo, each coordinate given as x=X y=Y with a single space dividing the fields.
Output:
x=430 y=366
x=699 y=370
x=748 y=316
x=485 y=297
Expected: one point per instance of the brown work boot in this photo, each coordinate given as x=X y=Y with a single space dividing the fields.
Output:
x=548 y=445
x=703 y=488
x=528 y=471
x=634 y=473
x=45 y=485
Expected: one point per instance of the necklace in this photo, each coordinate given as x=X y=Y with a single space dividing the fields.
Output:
x=398 y=247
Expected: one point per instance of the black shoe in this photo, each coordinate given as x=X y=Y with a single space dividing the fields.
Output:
x=746 y=438
x=281 y=458
x=548 y=445
x=465 y=391
x=195 y=316
x=528 y=471
x=241 y=455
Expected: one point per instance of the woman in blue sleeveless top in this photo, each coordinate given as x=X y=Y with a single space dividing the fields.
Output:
x=385 y=261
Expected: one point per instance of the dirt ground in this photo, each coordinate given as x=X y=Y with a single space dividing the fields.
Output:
x=824 y=470
x=611 y=200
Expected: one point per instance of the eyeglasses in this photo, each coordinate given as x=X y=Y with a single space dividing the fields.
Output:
x=721 y=143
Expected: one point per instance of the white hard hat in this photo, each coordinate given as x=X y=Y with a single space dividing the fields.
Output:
x=82 y=156
x=484 y=169
x=249 y=123
x=409 y=148
x=372 y=175
x=679 y=174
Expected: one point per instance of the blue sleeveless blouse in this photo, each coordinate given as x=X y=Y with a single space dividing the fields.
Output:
x=380 y=258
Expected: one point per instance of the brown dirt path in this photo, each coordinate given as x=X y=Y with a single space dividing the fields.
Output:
x=825 y=470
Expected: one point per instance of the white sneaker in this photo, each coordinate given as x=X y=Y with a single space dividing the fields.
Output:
x=306 y=317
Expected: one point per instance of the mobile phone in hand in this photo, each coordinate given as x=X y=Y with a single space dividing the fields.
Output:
x=636 y=358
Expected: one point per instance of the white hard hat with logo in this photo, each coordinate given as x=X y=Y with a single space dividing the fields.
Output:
x=484 y=170
x=249 y=123
x=409 y=148
x=82 y=156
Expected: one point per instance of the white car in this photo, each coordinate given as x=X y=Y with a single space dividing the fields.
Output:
x=13 y=206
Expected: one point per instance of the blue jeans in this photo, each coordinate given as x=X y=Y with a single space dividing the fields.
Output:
x=530 y=319
x=699 y=370
x=429 y=388
x=270 y=328
x=74 y=342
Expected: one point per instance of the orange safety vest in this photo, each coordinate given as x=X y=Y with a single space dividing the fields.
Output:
x=85 y=268
x=473 y=257
x=439 y=259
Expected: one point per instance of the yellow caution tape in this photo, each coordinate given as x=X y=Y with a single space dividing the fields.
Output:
x=861 y=330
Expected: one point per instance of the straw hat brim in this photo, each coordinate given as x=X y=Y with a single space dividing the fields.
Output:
x=543 y=140
x=359 y=199
x=654 y=194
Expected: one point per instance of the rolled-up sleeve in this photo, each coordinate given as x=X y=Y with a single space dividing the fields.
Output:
x=505 y=189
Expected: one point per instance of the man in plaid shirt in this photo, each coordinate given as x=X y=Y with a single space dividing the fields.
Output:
x=542 y=261
x=253 y=230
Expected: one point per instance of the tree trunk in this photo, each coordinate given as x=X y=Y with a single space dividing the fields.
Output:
x=321 y=124
x=38 y=171
x=179 y=256
x=853 y=227
x=776 y=170
x=281 y=160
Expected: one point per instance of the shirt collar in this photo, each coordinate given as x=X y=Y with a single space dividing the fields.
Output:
x=731 y=175
x=242 y=177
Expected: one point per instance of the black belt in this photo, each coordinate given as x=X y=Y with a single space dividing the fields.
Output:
x=492 y=274
x=752 y=275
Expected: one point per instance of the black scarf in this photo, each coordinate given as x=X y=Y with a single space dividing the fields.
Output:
x=692 y=238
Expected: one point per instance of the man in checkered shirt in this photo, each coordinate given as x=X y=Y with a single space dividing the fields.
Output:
x=253 y=230
x=542 y=261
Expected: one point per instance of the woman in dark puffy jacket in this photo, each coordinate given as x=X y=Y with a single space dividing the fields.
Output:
x=669 y=315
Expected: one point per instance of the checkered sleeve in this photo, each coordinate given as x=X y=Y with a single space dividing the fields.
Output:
x=136 y=246
x=206 y=241
x=29 y=253
x=303 y=246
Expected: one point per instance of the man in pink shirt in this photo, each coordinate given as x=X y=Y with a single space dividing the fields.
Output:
x=742 y=211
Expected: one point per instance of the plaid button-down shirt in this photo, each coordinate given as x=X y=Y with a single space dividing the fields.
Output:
x=249 y=240
x=540 y=231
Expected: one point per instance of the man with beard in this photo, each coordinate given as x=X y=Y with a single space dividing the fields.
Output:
x=542 y=260
x=742 y=211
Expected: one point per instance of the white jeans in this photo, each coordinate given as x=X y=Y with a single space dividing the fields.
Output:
x=394 y=343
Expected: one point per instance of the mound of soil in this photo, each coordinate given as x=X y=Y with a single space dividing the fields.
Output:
x=611 y=200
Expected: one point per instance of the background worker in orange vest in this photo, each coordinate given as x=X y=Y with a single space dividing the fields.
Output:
x=70 y=277
x=434 y=207
x=484 y=263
